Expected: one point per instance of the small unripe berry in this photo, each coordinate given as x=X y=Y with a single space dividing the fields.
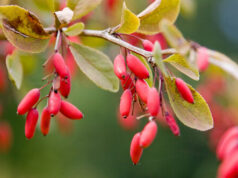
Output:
x=202 y=59
x=184 y=90
x=148 y=134
x=142 y=90
x=31 y=122
x=60 y=65
x=28 y=101
x=70 y=111
x=120 y=67
x=153 y=101
x=54 y=103
x=125 y=103
x=45 y=121
x=137 y=67
x=148 y=45
x=172 y=124
x=65 y=85
x=135 y=149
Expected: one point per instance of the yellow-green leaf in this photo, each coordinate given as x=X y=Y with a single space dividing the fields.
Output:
x=96 y=66
x=197 y=115
x=151 y=17
x=180 y=63
x=75 y=29
x=188 y=8
x=129 y=21
x=22 y=21
x=51 y=5
x=15 y=70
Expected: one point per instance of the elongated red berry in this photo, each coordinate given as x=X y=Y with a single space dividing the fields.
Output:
x=60 y=65
x=184 y=90
x=45 y=121
x=148 y=134
x=120 y=67
x=127 y=83
x=28 y=101
x=54 y=103
x=202 y=59
x=172 y=124
x=153 y=101
x=125 y=103
x=142 y=90
x=135 y=149
x=70 y=111
x=65 y=85
x=137 y=67
x=148 y=45
x=31 y=121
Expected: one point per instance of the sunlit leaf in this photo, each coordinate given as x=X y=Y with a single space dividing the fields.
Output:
x=196 y=115
x=96 y=66
x=180 y=63
x=75 y=29
x=157 y=11
x=15 y=70
x=129 y=21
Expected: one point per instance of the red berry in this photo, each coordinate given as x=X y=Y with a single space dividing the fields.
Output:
x=127 y=83
x=125 y=103
x=184 y=90
x=60 y=65
x=135 y=149
x=153 y=101
x=5 y=136
x=70 y=111
x=120 y=67
x=28 y=101
x=202 y=59
x=45 y=121
x=148 y=45
x=142 y=90
x=137 y=67
x=3 y=81
x=9 y=48
x=172 y=124
x=148 y=134
x=31 y=121
x=65 y=85
x=54 y=103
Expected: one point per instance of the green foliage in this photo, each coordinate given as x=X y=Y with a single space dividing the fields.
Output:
x=51 y=4
x=196 y=115
x=96 y=66
x=75 y=29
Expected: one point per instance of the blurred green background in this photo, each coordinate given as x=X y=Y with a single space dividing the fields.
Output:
x=98 y=147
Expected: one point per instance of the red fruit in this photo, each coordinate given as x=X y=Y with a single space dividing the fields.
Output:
x=31 y=121
x=137 y=67
x=65 y=125
x=142 y=90
x=127 y=83
x=60 y=65
x=148 y=45
x=125 y=103
x=70 y=111
x=65 y=86
x=172 y=124
x=45 y=121
x=135 y=149
x=202 y=59
x=153 y=101
x=9 y=48
x=3 y=81
x=148 y=134
x=160 y=38
x=70 y=62
x=120 y=67
x=28 y=101
x=184 y=90
x=54 y=103
x=5 y=137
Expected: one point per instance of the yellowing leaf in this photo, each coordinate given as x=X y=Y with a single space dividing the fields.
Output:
x=180 y=63
x=96 y=66
x=75 y=29
x=196 y=115
x=129 y=21
x=15 y=70
x=155 y=13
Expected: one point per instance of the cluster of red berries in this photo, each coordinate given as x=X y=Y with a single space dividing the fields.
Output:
x=61 y=86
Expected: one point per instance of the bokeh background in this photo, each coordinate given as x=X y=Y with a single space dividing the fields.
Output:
x=97 y=146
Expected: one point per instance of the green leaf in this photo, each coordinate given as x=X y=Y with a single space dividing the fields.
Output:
x=180 y=63
x=75 y=29
x=151 y=17
x=197 y=115
x=22 y=21
x=82 y=7
x=129 y=21
x=96 y=66
x=15 y=70
x=51 y=5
